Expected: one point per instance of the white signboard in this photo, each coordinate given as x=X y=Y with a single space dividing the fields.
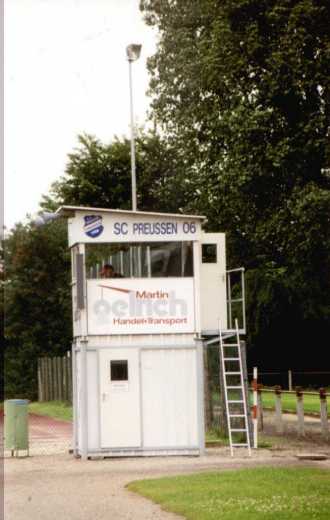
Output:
x=112 y=227
x=140 y=306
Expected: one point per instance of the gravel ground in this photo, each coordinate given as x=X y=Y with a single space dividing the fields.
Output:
x=53 y=486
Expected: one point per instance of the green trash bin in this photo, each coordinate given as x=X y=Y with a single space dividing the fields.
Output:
x=16 y=428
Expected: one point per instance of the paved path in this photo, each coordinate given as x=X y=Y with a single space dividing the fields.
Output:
x=48 y=436
x=59 y=486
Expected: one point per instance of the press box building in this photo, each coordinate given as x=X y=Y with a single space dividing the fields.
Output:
x=138 y=337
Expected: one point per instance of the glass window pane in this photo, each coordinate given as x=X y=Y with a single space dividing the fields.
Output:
x=119 y=370
x=209 y=253
x=145 y=260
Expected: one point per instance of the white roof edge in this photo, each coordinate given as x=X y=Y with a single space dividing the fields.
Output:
x=68 y=211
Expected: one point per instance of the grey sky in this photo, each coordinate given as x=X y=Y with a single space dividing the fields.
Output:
x=65 y=73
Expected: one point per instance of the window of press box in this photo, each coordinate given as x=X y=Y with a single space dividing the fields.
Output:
x=209 y=253
x=136 y=260
x=118 y=370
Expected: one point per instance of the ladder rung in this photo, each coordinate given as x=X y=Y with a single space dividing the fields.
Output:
x=231 y=358
x=240 y=444
x=233 y=387
x=232 y=373
x=235 y=401
x=230 y=345
x=236 y=415
x=238 y=429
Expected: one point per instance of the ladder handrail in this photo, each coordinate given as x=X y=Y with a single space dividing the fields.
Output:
x=231 y=300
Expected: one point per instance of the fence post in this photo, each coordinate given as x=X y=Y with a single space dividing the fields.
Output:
x=278 y=410
x=45 y=378
x=324 y=413
x=60 y=378
x=54 y=376
x=40 y=389
x=65 y=379
x=300 y=411
x=50 y=380
x=260 y=410
x=290 y=380
x=255 y=407
x=70 y=383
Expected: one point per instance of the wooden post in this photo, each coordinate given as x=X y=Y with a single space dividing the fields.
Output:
x=60 y=378
x=50 y=378
x=324 y=414
x=278 y=410
x=45 y=378
x=260 y=410
x=70 y=388
x=40 y=389
x=290 y=380
x=65 y=379
x=54 y=378
x=300 y=411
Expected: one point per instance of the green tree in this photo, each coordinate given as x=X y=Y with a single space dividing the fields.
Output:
x=99 y=175
x=37 y=300
x=241 y=88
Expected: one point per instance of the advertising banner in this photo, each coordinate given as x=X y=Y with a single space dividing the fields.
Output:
x=140 y=306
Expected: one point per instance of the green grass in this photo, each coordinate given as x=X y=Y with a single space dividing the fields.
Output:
x=214 y=438
x=311 y=402
x=55 y=409
x=248 y=494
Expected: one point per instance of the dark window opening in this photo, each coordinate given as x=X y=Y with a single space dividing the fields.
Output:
x=119 y=370
x=209 y=253
x=140 y=260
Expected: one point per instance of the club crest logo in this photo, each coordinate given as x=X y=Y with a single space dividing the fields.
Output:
x=93 y=226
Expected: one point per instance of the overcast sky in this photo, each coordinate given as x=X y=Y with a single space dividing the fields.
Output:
x=65 y=73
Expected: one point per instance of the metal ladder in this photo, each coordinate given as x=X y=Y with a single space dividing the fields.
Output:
x=237 y=388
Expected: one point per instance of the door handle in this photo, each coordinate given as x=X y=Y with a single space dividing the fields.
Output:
x=104 y=397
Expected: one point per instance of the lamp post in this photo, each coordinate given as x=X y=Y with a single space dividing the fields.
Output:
x=133 y=53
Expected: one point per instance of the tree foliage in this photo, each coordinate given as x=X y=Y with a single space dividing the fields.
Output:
x=37 y=298
x=99 y=175
x=242 y=90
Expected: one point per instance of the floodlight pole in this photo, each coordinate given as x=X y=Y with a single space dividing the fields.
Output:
x=133 y=166
x=133 y=53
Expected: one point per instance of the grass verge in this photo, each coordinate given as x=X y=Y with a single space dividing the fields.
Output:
x=248 y=494
x=55 y=409
x=311 y=402
x=289 y=402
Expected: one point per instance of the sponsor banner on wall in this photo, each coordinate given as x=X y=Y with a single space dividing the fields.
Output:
x=93 y=228
x=140 y=306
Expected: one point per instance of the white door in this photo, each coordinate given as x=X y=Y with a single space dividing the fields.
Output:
x=213 y=282
x=120 y=398
x=169 y=398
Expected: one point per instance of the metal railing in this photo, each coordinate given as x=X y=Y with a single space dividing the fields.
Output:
x=236 y=305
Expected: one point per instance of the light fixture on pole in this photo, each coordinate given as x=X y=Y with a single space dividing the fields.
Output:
x=133 y=52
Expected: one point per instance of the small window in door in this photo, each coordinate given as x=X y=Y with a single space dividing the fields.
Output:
x=119 y=370
x=209 y=253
